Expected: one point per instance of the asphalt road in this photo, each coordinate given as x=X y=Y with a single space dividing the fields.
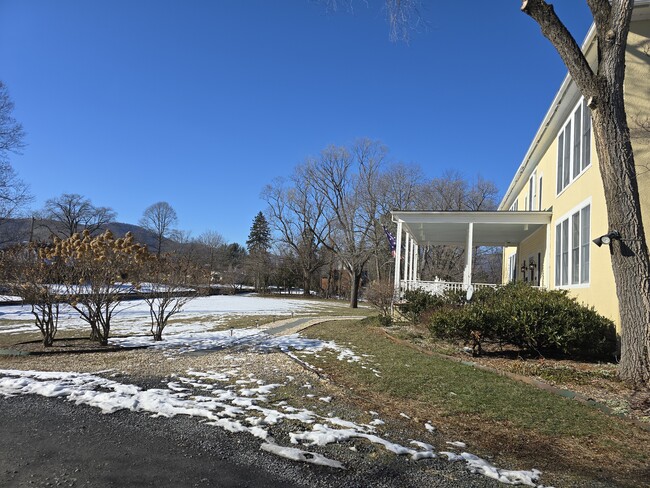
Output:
x=51 y=442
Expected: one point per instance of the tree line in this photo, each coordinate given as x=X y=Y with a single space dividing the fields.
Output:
x=332 y=213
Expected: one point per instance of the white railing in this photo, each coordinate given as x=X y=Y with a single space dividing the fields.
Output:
x=440 y=287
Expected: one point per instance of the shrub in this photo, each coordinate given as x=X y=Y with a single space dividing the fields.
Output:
x=385 y=320
x=418 y=301
x=380 y=294
x=529 y=318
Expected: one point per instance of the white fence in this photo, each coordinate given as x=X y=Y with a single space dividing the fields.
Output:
x=440 y=287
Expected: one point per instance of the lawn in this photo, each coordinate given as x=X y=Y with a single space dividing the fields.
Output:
x=519 y=424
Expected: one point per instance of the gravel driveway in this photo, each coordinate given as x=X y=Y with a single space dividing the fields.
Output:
x=52 y=442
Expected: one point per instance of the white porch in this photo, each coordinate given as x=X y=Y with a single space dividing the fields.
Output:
x=416 y=229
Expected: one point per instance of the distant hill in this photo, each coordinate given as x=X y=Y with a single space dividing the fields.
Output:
x=15 y=231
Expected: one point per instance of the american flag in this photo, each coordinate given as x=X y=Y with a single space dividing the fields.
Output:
x=391 y=240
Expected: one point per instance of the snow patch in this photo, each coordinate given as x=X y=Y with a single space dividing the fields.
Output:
x=300 y=455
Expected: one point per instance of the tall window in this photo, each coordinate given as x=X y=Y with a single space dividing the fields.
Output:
x=574 y=146
x=532 y=192
x=572 y=236
x=512 y=267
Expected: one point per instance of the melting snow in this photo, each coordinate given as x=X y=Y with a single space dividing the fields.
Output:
x=237 y=410
x=132 y=317
x=462 y=445
x=300 y=455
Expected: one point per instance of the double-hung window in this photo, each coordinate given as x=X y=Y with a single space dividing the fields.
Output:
x=574 y=146
x=572 y=236
x=532 y=192
x=512 y=267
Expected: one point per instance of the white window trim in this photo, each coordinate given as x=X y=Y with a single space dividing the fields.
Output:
x=557 y=221
x=532 y=192
x=572 y=133
x=512 y=268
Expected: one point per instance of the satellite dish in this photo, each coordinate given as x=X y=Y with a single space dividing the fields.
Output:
x=470 y=292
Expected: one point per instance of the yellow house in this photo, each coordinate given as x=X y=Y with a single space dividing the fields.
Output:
x=555 y=206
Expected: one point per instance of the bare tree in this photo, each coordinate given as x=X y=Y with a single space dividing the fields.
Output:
x=159 y=218
x=13 y=192
x=211 y=247
x=297 y=214
x=72 y=213
x=380 y=293
x=346 y=180
x=11 y=131
x=32 y=277
x=398 y=188
x=165 y=288
x=232 y=260
x=453 y=192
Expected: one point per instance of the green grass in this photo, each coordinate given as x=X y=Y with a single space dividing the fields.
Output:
x=497 y=406
x=456 y=388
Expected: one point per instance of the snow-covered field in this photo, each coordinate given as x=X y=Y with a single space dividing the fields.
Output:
x=200 y=314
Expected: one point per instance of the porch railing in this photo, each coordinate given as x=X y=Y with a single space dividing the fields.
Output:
x=440 y=287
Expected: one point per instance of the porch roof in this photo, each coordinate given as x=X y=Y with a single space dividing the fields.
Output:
x=498 y=228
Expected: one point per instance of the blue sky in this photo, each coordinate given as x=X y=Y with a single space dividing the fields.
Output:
x=201 y=103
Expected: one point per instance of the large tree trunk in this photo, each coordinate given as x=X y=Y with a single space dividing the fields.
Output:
x=630 y=261
x=355 y=282
x=306 y=282
x=604 y=91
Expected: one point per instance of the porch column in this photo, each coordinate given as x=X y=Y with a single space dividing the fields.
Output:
x=416 y=268
x=398 y=260
x=407 y=260
x=547 y=260
x=467 y=276
x=412 y=261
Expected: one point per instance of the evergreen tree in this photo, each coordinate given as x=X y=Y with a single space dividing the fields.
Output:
x=258 y=243
x=259 y=238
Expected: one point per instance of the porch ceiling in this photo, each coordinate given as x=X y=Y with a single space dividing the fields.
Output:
x=490 y=228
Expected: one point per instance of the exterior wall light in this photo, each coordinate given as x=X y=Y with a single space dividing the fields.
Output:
x=607 y=238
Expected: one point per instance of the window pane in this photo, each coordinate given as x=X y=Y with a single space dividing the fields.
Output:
x=565 y=252
x=586 y=136
x=576 y=141
x=560 y=153
x=558 y=253
x=567 y=155
x=531 y=184
x=586 y=238
x=575 y=248
x=539 y=192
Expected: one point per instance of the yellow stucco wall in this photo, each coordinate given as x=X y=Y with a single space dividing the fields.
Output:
x=587 y=188
x=637 y=101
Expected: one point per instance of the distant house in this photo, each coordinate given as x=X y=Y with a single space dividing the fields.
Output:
x=555 y=205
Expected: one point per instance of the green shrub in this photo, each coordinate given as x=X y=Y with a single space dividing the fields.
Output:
x=418 y=301
x=385 y=320
x=542 y=321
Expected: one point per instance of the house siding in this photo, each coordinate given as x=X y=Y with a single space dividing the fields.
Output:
x=587 y=187
x=637 y=100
